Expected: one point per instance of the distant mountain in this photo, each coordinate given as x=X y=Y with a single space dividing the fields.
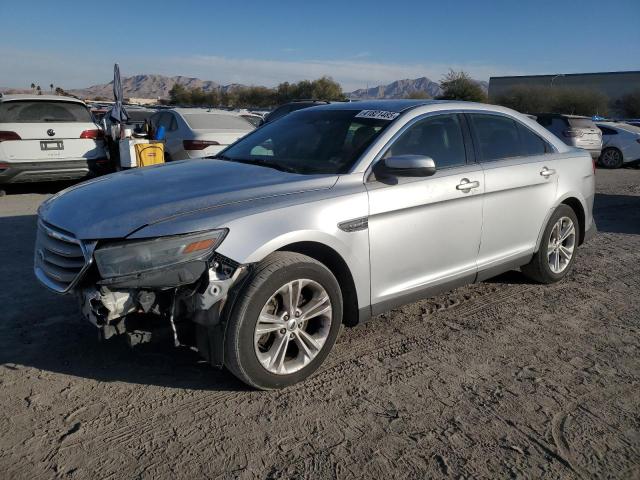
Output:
x=403 y=88
x=150 y=86
x=158 y=86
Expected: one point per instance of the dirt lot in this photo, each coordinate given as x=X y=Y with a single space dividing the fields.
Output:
x=501 y=379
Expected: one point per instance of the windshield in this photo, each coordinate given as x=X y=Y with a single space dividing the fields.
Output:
x=309 y=142
x=39 y=111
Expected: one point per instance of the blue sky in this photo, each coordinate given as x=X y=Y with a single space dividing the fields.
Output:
x=74 y=44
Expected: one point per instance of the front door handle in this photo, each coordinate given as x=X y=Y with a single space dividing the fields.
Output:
x=465 y=185
x=547 y=172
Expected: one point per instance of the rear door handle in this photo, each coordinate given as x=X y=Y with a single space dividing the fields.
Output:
x=547 y=172
x=465 y=185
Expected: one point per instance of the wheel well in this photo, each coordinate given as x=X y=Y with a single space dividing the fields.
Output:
x=576 y=206
x=334 y=262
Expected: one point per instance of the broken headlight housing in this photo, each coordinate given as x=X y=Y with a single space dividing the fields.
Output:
x=139 y=256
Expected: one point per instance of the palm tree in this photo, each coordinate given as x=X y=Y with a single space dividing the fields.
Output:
x=39 y=90
x=33 y=87
x=51 y=87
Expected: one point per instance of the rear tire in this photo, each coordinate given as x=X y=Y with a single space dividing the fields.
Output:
x=280 y=298
x=558 y=247
x=611 y=157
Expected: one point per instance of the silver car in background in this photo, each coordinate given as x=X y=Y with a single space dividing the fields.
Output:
x=198 y=132
x=325 y=217
x=574 y=130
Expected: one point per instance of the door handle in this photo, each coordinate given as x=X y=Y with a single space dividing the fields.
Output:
x=547 y=172
x=465 y=185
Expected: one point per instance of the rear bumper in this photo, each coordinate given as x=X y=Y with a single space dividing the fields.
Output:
x=39 y=171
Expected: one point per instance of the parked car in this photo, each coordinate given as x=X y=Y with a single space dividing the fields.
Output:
x=620 y=144
x=576 y=131
x=327 y=216
x=46 y=137
x=287 y=108
x=198 y=132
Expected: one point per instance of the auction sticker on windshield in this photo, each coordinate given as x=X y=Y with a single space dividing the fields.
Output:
x=377 y=114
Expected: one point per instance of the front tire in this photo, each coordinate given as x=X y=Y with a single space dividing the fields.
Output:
x=611 y=158
x=557 y=252
x=284 y=323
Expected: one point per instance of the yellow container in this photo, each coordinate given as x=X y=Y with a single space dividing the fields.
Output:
x=149 y=153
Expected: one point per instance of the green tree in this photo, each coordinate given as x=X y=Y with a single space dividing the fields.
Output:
x=179 y=95
x=579 y=101
x=418 y=95
x=460 y=86
x=629 y=104
x=39 y=90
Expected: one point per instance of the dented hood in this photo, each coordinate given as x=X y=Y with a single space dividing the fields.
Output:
x=116 y=205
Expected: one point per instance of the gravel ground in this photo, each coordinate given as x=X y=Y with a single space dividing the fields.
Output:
x=500 y=379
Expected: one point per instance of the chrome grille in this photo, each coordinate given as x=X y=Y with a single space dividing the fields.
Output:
x=60 y=259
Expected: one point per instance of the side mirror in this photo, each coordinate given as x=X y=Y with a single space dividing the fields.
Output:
x=406 y=166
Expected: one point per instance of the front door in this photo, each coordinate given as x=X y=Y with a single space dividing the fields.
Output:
x=424 y=233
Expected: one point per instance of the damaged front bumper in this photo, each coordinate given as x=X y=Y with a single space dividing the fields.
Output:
x=187 y=304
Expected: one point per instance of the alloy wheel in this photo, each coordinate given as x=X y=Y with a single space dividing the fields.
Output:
x=293 y=326
x=562 y=242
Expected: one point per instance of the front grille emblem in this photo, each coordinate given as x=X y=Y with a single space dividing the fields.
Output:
x=51 y=132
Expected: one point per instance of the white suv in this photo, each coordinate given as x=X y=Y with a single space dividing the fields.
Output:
x=46 y=137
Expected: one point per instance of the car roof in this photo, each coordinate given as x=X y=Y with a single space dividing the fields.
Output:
x=29 y=96
x=388 y=105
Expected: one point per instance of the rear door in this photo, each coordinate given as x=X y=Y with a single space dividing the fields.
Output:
x=520 y=188
x=49 y=130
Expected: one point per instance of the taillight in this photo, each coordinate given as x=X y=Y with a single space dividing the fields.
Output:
x=92 y=134
x=572 y=133
x=198 y=144
x=3 y=166
x=4 y=135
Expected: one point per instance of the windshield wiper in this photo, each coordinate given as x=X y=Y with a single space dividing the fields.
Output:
x=258 y=161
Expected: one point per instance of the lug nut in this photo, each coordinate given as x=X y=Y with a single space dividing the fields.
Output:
x=297 y=314
x=286 y=317
x=283 y=331
x=291 y=336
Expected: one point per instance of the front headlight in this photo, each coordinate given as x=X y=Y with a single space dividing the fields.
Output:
x=137 y=256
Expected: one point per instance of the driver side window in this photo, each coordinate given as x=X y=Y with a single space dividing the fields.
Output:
x=438 y=137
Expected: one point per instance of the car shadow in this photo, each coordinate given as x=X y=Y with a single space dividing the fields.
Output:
x=40 y=187
x=40 y=329
x=617 y=213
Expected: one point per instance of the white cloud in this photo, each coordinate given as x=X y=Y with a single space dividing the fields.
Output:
x=21 y=68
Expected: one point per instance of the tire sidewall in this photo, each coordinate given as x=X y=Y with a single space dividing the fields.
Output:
x=245 y=316
x=561 y=211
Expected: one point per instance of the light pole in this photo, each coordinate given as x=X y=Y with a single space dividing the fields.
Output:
x=556 y=76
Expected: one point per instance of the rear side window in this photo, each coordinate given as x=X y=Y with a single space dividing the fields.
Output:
x=531 y=143
x=437 y=137
x=212 y=121
x=497 y=137
x=581 y=123
x=43 y=111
